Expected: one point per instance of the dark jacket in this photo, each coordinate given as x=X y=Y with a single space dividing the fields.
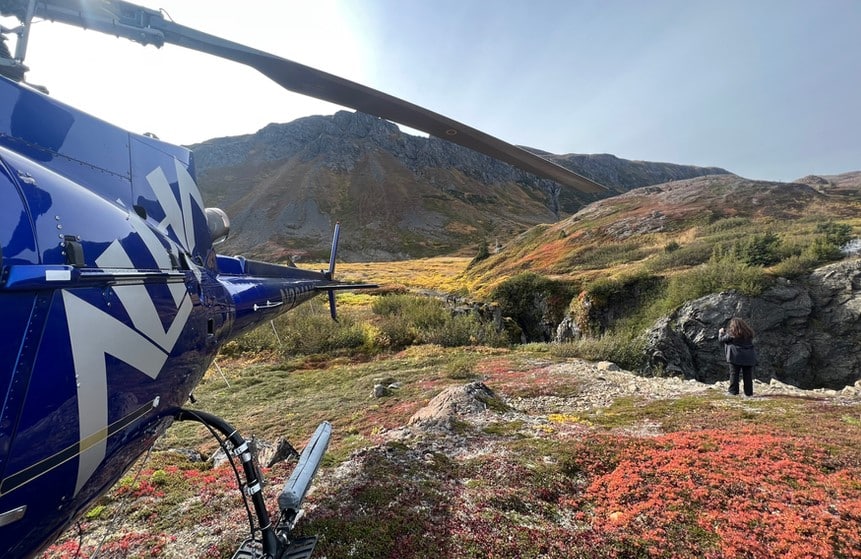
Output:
x=738 y=352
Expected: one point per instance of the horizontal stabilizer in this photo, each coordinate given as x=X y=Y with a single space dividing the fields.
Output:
x=346 y=286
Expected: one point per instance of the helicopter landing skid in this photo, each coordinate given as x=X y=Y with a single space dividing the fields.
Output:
x=275 y=541
x=298 y=549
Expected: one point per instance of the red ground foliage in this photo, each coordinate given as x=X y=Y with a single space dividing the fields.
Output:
x=721 y=494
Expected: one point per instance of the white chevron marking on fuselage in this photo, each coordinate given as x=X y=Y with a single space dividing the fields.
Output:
x=93 y=333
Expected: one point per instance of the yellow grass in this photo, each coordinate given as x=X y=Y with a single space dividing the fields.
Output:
x=436 y=274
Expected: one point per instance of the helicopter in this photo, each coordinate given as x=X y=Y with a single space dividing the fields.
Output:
x=115 y=300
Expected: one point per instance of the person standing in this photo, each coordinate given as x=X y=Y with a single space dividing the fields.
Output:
x=740 y=354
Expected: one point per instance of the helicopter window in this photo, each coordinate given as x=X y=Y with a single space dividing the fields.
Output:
x=210 y=327
x=140 y=210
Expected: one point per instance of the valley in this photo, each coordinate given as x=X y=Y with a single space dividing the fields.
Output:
x=537 y=374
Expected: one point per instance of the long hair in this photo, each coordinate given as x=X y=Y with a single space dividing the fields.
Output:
x=739 y=330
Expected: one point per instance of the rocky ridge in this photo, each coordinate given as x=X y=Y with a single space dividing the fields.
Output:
x=286 y=185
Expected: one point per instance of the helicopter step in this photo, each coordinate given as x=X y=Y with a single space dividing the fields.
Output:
x=297 y=485
x=301 y=548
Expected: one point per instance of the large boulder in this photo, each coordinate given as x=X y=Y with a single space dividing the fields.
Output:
x=807 y=332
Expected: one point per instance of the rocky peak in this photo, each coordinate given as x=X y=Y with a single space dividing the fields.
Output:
x=624 y=174
x=342 y=139
x=285 y=186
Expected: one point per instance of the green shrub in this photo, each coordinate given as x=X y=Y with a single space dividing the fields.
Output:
x=726 y=224
x=461 y=367
x=422 y=312
x=257 y=341
x=410 y=319
x=624 y=348
x=823 y=250
x=395 y=332
x=683 y=256
x=718 y=274
x=454 y=332
x=794 y=266
x=530 y=299
x=606 y=255
x=759 y=250
x=837 y=234
x=464 y=330
x=306 y=330
x=406 y=317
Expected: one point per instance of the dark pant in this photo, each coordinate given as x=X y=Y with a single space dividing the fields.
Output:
x=746 y=373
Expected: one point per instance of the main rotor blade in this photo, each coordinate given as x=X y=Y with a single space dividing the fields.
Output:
x=147 y=26
x=321 y=85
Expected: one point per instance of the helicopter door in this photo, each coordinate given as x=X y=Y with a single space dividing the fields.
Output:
x=17 y=246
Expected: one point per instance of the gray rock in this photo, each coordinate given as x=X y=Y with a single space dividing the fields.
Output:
x=380 y=391
x=807 y=332
x=567 y=331
x=270 y=454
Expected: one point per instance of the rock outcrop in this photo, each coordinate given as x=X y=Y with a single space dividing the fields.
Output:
x=452 y=404
x=808 y=332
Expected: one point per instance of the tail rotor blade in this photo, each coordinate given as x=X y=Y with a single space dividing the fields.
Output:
x=331 y=273
x=334 y=252
x=332 y=309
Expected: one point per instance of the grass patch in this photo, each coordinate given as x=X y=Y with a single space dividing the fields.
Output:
x=623 y=347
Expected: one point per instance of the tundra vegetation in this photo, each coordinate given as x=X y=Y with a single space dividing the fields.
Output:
x=544 y=471
x=698 y=475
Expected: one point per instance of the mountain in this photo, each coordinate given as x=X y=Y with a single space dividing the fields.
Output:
x=396 y=195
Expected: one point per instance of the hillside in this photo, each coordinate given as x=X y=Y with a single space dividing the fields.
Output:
x=651 y=275
x=672 y=226
x=846 y=184
x=396 y=195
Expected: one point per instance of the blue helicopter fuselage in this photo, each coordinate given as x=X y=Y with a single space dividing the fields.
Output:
x=113 y=303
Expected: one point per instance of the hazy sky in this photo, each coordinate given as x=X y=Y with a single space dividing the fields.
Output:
x=766 y=89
